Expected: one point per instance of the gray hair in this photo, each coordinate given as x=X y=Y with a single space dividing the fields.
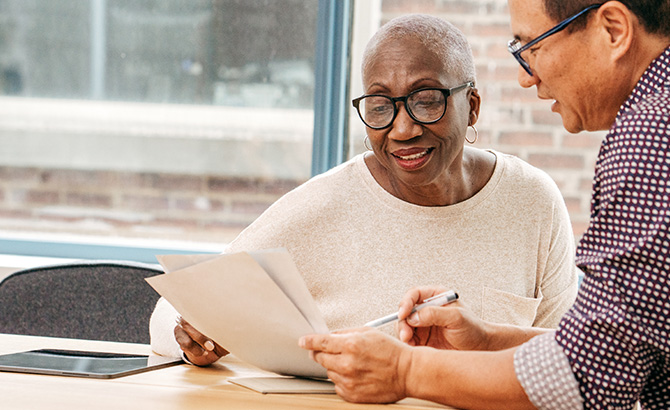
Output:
x=442 y=37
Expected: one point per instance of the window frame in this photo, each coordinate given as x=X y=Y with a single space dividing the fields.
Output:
x=331 y=93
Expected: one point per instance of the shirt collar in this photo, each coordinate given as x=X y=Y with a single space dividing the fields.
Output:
x=656 y=76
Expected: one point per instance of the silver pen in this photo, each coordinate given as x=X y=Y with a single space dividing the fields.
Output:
x=437 y=300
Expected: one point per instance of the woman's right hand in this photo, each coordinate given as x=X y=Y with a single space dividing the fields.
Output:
x=198 y=348
x=447 y=327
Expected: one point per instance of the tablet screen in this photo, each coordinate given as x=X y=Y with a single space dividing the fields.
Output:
x=82 y=363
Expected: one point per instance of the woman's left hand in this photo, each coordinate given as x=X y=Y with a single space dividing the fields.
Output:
x=366 y=365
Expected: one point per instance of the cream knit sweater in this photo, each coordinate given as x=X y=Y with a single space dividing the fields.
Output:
x=508 y=251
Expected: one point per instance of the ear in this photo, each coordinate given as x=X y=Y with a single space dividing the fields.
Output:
x=618 y=25
x=475 y=103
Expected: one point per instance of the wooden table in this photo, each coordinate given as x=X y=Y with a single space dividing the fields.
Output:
x=176 y=387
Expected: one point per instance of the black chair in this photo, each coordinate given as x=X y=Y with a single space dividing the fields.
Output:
x=94 y=300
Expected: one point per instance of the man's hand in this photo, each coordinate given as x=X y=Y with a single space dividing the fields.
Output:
x=366 y=365
x=447 y=327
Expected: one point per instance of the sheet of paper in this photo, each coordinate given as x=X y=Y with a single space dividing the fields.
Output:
x=279 y=265
x=171 y=263
x=285 y=385
x=233 y=300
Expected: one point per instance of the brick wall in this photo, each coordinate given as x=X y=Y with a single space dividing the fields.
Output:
x=214 y=208
x=513 y=119
x=155 y=205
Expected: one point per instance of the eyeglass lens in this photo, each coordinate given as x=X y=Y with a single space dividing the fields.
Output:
x=424 y=105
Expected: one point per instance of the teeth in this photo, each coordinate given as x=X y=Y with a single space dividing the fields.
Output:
x=413 y=156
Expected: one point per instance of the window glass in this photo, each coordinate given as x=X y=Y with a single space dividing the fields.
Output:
x=178 y=119
x=222 y=52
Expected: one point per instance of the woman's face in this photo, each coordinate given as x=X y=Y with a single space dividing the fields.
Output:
x=416 y=154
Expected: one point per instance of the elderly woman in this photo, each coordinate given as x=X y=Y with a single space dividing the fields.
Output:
x=611 y=350
x=418 y=207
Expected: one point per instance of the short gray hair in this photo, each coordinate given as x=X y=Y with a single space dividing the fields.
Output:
x=446 y=41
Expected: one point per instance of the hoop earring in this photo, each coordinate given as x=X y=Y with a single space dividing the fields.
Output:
x=476 y=135
x=366 y=142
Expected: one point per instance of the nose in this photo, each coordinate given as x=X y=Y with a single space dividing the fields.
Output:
x=404 y=127
x=526 y=80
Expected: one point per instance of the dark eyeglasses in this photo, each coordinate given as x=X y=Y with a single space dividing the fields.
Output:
x=425 y=106
x=516 y=48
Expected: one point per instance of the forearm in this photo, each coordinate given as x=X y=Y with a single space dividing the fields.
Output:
x=501 y=336
x=468 y=380
x=161 y=329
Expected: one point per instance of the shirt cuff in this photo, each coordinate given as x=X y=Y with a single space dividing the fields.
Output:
x=545 y=374
x=161 y=330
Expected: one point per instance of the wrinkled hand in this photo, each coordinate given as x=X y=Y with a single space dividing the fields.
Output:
x=198 y=348
x=447 y=327
x=366 y=365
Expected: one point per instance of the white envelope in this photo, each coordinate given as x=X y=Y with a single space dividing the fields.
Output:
x=255 y=305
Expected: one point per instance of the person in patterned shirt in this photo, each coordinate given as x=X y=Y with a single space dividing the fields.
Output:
x=607 y=66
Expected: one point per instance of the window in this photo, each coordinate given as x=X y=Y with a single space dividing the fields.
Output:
x=222 y=52
x=166 y=119
x=185 y=119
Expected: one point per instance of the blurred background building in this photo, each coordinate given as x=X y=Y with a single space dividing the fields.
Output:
x=182 y=120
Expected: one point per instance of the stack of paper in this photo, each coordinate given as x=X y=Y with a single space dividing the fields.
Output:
x=256 y=305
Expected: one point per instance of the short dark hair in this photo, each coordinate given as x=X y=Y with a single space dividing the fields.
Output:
x=654 y=15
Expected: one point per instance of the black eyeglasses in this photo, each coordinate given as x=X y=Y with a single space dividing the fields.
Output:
x=424 y=106
x=516 y=48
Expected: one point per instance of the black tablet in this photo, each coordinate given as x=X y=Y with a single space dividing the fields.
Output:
x=82 y=364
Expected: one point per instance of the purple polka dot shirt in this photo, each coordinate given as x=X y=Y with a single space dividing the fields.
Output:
x=616 y=337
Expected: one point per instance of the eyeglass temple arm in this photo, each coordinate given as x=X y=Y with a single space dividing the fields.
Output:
x=460 y=87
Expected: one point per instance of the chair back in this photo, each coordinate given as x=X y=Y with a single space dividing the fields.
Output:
x=95 y=300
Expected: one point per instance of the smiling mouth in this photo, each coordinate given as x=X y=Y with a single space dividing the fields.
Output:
x=414 y=156
x=413 y=159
